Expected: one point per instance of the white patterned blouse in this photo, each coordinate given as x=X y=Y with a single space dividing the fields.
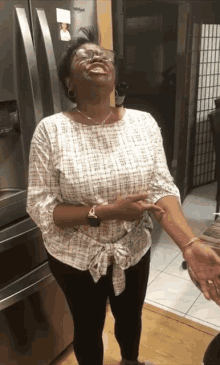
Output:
x=71 y=162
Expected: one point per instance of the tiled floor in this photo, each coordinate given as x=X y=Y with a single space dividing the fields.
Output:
x=170 y=287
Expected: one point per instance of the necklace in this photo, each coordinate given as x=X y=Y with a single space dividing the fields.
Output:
x=92 y=119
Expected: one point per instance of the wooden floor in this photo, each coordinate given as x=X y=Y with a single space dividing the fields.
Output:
x=167 y=339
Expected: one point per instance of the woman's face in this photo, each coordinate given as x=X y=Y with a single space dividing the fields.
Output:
x=96 y=71
x=64 y=26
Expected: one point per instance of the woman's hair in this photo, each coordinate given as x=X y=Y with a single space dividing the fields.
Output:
x=64 y=67
x=61 y=26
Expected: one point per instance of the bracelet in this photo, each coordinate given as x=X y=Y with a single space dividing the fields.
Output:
x=190 y=243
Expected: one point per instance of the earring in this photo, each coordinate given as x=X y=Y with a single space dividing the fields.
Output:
x=116 y=94
x=71 y=96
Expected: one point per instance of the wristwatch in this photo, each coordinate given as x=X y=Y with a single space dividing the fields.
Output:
x=92 y=218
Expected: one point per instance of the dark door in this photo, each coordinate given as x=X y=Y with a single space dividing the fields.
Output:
x=146 y=52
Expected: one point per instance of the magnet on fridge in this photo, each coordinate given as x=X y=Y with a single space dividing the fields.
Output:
x=64 y=20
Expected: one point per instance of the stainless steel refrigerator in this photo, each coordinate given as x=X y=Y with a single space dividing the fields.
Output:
x=35 y=322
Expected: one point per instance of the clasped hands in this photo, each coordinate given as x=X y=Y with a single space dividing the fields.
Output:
x=132 y=207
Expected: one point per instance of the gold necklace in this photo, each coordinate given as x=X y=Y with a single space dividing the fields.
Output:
x=92 y=119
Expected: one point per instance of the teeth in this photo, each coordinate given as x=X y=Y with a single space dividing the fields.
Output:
x=98 y=69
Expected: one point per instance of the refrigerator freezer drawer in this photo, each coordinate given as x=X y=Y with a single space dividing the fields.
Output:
x=25 y=286
x=21 y=250
x=12 y=205
x=17 y=234
x=35 y=321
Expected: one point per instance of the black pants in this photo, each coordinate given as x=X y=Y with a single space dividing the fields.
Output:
x=87 y=302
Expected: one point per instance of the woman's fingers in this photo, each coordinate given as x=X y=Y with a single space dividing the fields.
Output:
x=210 y=288
x=148 y=206
x=138 y=197
x=214 y=257
x=205 y=289
x=153 y=208
x=213 y=291
x=136 y=205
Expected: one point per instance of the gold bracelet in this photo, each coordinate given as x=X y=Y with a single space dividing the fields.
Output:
x=190 y=243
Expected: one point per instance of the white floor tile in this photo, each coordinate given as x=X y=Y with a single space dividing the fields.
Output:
x=197 y=225
x=172 y=292
x=159 y=236
x=162 y=256
x=205 y=310
x=210 y=325
x=173 y=289
x=152 y=275
x=175 y=268
x=156 y=233
x=198 y=200
x=153 y=248
x=200 y=211
x=166 y=240
x=170 y=244
x=164 y=307
x=185 y=203
x=198 y=216
x=206 y=191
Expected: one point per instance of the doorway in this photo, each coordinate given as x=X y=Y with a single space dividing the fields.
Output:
x=198 y=77
x=148 y=61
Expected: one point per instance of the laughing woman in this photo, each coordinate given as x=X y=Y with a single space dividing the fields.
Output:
x=94 y=174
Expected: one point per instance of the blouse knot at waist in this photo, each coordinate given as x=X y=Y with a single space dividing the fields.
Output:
x=100 y=259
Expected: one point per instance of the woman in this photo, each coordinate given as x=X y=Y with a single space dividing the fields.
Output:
x=64 y=32
x=94 y=174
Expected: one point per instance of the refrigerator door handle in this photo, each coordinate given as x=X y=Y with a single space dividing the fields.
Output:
x=25 y=286
x=46 y=58
x=26 y=81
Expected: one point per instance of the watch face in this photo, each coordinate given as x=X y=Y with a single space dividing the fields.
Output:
x=94 y=222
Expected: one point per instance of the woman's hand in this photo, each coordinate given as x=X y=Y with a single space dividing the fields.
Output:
x=132 y=207
x=204 y=265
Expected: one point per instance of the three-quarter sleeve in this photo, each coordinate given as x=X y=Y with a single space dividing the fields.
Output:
x=162 y=183
x=43 y=182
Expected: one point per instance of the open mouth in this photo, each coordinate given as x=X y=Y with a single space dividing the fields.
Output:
x=98 y=68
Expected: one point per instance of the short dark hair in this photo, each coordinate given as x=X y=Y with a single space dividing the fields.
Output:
x=64 y=67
